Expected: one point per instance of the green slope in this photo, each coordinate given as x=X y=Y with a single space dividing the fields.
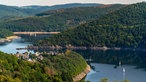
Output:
x=59 y=68
x=123 y=28
x=32 y=10
x=8 y=13
x=59 y=20
x=4 y=33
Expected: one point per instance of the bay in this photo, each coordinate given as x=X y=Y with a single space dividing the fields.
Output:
x=108 y=71
x=10 y=48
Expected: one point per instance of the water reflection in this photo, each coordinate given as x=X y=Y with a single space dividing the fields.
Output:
x=34 y=38
x=137 y=58
x=107 y=71
x=11 y=47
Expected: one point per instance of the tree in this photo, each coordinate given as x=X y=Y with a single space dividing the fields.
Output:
x=66 y=76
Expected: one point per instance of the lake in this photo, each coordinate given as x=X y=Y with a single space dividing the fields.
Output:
x=11 y=47
x=105 y=64
x=108 y=71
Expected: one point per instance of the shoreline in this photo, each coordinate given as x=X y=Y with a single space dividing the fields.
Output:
x=8 y=39
x=12 y=37
x=82 y=74
x=80 y=48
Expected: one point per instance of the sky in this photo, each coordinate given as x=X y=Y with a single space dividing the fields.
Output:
x=55 y=2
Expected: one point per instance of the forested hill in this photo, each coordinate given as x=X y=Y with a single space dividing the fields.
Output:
x=8 y=13
x=123 y=28
x=32 y=10
x=59 y=20
x=5 y=33
x=80 y=10
x=53 y=68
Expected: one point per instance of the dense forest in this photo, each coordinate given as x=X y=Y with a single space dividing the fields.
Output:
x=122 y=28
x=59 y=20
x=4 y=33
x=53 y=68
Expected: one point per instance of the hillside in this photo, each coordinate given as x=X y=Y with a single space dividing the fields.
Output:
x=8 y=13
x=59 y=20
x=32 y=10
x=53 y=68
x=123 y=28
x=5 y=33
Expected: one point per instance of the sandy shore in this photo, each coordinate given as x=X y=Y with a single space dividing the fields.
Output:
x=8 y=39
x=12 y=37
x=82 y=74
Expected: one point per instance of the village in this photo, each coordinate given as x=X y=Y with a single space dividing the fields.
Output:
x=37 y=56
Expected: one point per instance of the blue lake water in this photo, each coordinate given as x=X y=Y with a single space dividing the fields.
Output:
x=11 y=47
x=108 y=71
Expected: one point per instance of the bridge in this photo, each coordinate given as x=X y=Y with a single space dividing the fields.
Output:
x=33 y=33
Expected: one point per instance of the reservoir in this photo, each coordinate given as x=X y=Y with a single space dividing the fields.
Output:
x=11 y=47
x=114 y=65
x=108 y=71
